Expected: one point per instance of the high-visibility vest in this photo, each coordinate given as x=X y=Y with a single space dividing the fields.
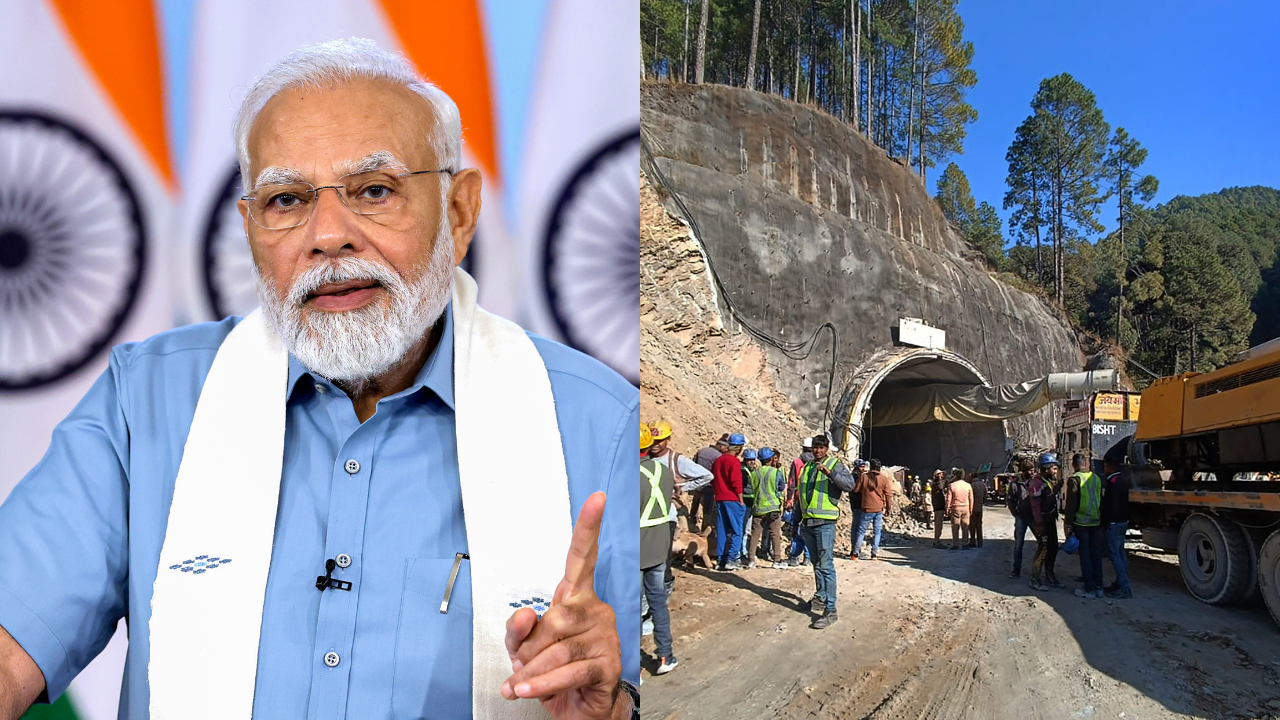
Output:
x=655 y=504
x=766 y=490
x=749 y=482
x=1089 y=513
x=815 y=496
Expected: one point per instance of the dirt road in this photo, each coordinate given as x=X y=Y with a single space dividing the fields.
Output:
x=940 y=634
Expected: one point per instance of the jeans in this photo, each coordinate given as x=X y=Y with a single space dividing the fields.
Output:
x=869 y=519
x=820 y=540
x=855 y=540
x=975 y=524
x=1090 y=555
x=1115 y=551
x=729 y=531
x=1020 y=527
x=655 y=592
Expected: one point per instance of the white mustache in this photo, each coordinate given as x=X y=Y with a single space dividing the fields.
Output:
x=342 y=270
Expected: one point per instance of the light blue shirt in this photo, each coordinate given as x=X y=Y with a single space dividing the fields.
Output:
x=80 y=535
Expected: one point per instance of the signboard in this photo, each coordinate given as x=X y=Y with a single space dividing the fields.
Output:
x=1108 y=406
x=912 y=331
x=1135 y=402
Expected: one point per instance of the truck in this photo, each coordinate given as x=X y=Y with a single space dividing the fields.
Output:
x=1205 y=467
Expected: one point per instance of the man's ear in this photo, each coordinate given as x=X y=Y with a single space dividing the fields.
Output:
x=463 y=205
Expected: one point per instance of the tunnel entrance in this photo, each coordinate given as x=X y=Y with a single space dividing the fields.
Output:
x=919 y=446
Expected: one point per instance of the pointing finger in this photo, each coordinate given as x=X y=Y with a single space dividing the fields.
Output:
x=580 y=565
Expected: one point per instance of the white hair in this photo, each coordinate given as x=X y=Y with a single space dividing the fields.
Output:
x=331 y=63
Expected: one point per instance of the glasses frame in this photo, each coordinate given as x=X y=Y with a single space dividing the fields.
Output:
x=339 y=189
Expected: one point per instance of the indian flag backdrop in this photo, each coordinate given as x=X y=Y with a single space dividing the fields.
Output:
x=86 y=190
x=118 y=220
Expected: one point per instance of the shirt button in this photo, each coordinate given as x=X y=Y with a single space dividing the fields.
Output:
x=321 y=389
x=331 y=659
x=353 y=467
x=344 y=560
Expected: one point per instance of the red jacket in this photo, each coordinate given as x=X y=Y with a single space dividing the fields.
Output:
x=726 y=478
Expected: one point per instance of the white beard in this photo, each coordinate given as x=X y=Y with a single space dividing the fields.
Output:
x=356 y=346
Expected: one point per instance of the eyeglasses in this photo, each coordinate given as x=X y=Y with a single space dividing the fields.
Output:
x=288 y=205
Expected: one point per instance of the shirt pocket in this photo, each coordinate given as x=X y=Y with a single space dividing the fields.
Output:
x=431 y=675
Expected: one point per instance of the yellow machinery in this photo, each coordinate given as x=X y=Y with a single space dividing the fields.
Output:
x=1205 y=450
x=1223 y=422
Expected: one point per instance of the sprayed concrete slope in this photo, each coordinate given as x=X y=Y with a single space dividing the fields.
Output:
x=806 y=222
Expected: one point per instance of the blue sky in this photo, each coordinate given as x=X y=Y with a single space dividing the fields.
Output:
x=1194 y=82
x=514 y=29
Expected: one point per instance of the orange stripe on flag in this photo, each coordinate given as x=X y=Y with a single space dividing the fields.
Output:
x=119 y=43
x=446 y=41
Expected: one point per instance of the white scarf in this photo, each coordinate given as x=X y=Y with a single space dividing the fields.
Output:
x=206 y=605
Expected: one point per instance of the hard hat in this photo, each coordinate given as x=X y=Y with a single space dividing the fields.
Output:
x=1048 y=459
x=749 y=455
x=646 y=437
x=1072 y=544
x=737 y=439
x=860 y=463
x=807 y=444
x=661 y=430
x=767 y=453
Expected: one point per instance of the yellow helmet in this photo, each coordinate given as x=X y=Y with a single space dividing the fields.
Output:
x=661 y=430
x=646 y=438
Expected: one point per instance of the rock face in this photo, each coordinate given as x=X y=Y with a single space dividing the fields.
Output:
x=805 y=222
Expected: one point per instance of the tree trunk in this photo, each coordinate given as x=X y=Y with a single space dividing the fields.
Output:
x=911 y=85
x=795 y=84
x=813 y=53
x=684 y=59
x=855 y=6
x=871 y=78
x=1124 y=267
x=751 y=59
x=702 y=43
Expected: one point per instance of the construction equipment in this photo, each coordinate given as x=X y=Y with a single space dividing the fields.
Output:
x=1202 y=459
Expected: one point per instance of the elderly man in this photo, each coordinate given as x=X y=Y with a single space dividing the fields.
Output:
x=276 y=504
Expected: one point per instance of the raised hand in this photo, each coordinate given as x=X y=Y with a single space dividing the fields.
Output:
x=570 y=659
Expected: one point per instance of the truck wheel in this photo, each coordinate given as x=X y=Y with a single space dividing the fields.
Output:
x=1213 y=556
x=1269 y=574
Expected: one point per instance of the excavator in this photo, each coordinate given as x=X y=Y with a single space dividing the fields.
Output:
x=1205 y=464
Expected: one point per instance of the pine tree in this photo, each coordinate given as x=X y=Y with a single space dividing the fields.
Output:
x=1055 y=164
x=1124 y=156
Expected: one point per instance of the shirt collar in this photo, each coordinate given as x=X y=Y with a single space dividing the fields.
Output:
x=436 y=373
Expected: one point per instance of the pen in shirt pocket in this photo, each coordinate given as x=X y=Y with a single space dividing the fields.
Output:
x=453 y=576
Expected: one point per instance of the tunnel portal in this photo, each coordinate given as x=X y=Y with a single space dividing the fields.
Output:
x=919 y=446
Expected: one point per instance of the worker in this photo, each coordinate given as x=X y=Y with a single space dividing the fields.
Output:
x=726 y=479
x=959 y=508
x=926 y=497
x=938 y=497
x=791 y=513
x=821 y=483
x=855 y=508
x=876 y=490
x=979 y=485
x=656 y=491
x=768 y=485
x=1115 y=523
x=1082 y=517
x=688 y=475
x=705 y=498
x=750 y=464
x=1043 y=499
x=1019 y=503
